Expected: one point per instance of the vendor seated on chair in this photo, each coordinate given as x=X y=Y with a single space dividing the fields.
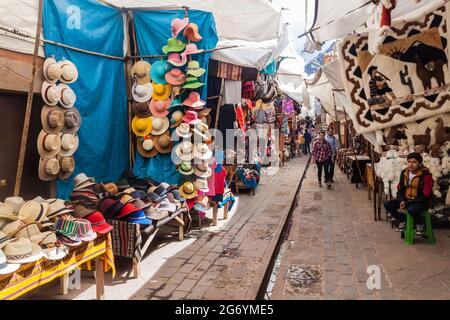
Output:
x=414 y=194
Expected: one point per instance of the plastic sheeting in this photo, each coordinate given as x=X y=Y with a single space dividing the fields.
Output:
x=100 y=88
x=152 y=31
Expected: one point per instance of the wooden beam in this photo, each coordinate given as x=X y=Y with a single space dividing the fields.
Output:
x=222 y=85
x=26 y=121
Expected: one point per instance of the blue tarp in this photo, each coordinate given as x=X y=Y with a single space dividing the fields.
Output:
x=152 y=31
x=100 y=88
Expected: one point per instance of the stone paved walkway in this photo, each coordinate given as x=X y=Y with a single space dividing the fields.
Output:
x=231 y=263
x=334 y=239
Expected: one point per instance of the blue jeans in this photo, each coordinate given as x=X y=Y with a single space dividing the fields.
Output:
x=414 y=209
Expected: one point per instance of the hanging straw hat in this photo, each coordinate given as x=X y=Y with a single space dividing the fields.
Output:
x=194 y=69
x=159 y=70
x=201 y=184
x=69 y=144
x=159 y=108
x=52 y=70
x=67 y=166
x=160 y=126
x=161 y=92
x=68 y=96
x=194 y=101
x=185 y=151
x=177 y=25
x=163 y=143
x=146 y=146
x=202 y=151
x=184 y=131
x=51 y=93
x=202 y=170
x=52 y=119
x=192 y=83
x=176 y=119
x=191 y=48
x=141 y=109
x=173 y=45
x=175 y=77
x=191 y=33
x=202 y=130
x=72 y=120
x=191 y=117
x=48 y=144
x=186 y=168
x=142 y=126
x=48 y=169
x=142 y=92
x=176 y=59
x=69 y=71
x=188 y=191
x=141 y=70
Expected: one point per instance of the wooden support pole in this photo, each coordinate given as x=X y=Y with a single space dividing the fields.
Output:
x=128 y=81
x=26 y=121
x=99 y=278
x=222 y=85
x=374 y=184
x=337 y=123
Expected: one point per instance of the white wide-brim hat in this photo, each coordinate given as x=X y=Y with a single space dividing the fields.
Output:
x=68 y=96
x=34 y=255
x=142 y=92
x=51 y=93
x=69 y=72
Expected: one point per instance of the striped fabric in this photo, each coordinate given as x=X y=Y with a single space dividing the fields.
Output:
x=126 y=239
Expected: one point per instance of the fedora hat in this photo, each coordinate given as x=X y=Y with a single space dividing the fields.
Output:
x=175 y=77
x=51 y=93
x=161 y=92
x=191 y=33
x=201 y=184
x=141 y=70
x=163 y=143
x=191 y=48
x=202 y=130
x=159 y=108
x=185 y=151
x=7 y=212
x=185 y=168
x=192 y=83
x=204 y=112
x=85 y=230
x=159 y=192
x=67 y=166
x=111 y=188
x=12 y=228
x=194 y=101
x=72 y=120
x=52 y=119
x=81 y=181
x=141 y=109
x=52 y=70
x=202 y=151
x=110 y=207
x=159 y=70
x=191 y=117
x=15 y=202
x=142 y=126
x=160 y=126
x=33 y=211
x=48 y=169
x=176 y=119
x=194 y=69
x=56 y=207
x=22 y=250
x=48 y=144
x=126 y=198
x=202 y=170
x=142 y=92
x=173 y=45
x=5 y=267
x=167 y=205
x=177 y=59
x=99 y=223
x=81 y=210
x=69 y=72
x=146 y=146
x=154 y=214
x=126 y=210
x=68 y=96
x=177 y=25
x=138 y=217
x=188 y=191
x=69 y=144
x=184 y=131
x=4 y=238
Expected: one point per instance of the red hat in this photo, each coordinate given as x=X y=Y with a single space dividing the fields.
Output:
x=194 y=101
x=98 y=223
x=191 y=117
x=127 y=209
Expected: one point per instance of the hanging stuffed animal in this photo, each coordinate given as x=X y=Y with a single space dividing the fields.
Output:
x=385 y=19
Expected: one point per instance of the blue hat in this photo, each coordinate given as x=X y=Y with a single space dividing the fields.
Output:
x=139 y=217
x=176 y=103
x=159 y=70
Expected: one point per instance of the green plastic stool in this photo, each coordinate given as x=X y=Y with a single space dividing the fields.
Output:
x=409 y=232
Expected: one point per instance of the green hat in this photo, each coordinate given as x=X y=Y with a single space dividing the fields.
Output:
x=186 y=168
x=174 y=45
x=176 y=103
x=194 y=69
x=192 y=83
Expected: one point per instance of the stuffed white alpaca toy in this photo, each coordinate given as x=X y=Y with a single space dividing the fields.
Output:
x=389 y=175
x=435 y=168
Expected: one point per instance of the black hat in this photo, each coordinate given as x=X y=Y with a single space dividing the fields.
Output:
x=372 y=68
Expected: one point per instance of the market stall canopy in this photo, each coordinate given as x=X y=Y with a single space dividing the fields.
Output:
x=336 y=19
x=250 y=20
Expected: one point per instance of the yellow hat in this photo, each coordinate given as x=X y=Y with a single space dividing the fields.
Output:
x=161 y=92
x=142 y=126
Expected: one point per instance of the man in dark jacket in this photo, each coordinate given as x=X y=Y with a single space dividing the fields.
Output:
x=308 y=138
x=415 y=188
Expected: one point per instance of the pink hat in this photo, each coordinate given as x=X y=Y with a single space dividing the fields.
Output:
x=191 y=117
x=194 y=101
x=191 y=48
x=178 y=25
x=159 y=108
x=175 y=77
x=177 y=59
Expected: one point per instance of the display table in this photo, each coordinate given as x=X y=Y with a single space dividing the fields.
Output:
x=131 y=240
x=33 y=275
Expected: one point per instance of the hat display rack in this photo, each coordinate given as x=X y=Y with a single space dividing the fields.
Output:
x=58 y=140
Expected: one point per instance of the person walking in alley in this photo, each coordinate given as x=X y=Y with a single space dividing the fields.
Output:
x=322 y=153
x=415 y=188
x=308 y=138
x=334 y=150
